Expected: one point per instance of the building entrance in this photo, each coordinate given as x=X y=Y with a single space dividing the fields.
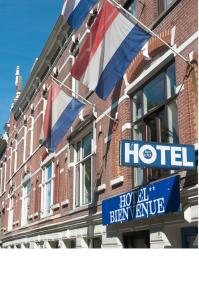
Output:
x=140 y=239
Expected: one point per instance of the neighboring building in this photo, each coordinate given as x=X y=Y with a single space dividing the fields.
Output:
x=54 y=200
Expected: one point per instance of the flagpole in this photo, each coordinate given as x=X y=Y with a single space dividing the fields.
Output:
x=83 y=99
x=150 y=31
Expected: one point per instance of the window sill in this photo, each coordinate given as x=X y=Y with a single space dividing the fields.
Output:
x=55 y=206
x=117 y=181
x=81 y=208
x=64 y=203
x=100 y=188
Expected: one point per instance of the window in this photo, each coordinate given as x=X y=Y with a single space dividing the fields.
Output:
x=164 y=4
x=130 y=5
x=47 y=187
x=83 y=171
x=189 y=237
x=25 y=202
x=155 y=116
x=10 y=213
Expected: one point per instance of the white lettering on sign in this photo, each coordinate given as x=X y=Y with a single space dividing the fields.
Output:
x=163 y=149
x=161 y=155
x=136 y=204
x=184 y=158
x=129 y=152
x=176 y=154
x=147 y=154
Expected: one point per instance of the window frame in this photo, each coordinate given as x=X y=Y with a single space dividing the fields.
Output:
x=45 y=182
x=25 y=202
x=80 y=162
x=145 y=117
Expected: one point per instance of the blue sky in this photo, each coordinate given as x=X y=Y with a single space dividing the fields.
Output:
x=24 y=28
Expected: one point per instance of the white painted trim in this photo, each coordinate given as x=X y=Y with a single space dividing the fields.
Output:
x=108 y=138
x=190 y=40
x=47 y=160
x=65 y=202
x=117 y=180
x=173 y=35
x=126 y=126
x=55 y=206
x=179 y=88
x=100 y=188
x=61 y=170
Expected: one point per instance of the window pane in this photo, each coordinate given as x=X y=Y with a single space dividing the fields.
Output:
x=137 y=106
x=138 y=176
x=87 y=181
x=138 y=132
x=153 y=136
x=171 y=81
x=86 y=145
x=77 y=186
x=163 y=127
x=130 y=5
x=78 y=151
x=48 y=198
x=154 y=92
x=49 y=171
x=173 y=123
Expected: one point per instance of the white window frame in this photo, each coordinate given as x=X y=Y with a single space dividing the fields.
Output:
x=25 y=203
x=10 y=213
x=80 y=162
x=45 y=182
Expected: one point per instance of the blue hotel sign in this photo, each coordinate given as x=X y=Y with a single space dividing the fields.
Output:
x=157 y=155
x=157 y=198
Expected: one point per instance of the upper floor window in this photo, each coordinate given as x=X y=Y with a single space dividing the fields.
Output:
x=155 y=115
x=164 y=4
x=130 y=5
x=83 y=171
x=47 y=187
x=25 y=202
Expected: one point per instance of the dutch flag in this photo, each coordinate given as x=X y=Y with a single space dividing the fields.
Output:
x=61 y=111
x=76 y=11
x=109 y=48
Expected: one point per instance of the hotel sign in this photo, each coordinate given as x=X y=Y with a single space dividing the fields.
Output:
x=157 y=155
x=157 y=198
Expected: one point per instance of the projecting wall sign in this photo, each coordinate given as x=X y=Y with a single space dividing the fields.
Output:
x=157 y=198
x=157 y=155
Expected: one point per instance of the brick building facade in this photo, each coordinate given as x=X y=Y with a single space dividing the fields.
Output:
x=54 y=200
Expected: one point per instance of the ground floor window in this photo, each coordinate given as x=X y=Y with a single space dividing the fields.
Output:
x=47 y=186
x=189 y=237
x=140 y=239
x=83 y=171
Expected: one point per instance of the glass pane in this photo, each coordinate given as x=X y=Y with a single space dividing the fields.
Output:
x=49 y=171
x=77 y=186
x=138 y=176
x=173 y=123
x=163 y=127
x=87 y=181
x=78 y=151
x=137 y=106
x=153 y=136
x=171 y=81
x=138 y=132
x=48 y=198
x=154 y=92
x=130 y=5
x=86 y=145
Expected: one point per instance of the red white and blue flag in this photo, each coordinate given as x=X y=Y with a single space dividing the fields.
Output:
x=109 y=48
x=76 y=11
x=61 y=111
